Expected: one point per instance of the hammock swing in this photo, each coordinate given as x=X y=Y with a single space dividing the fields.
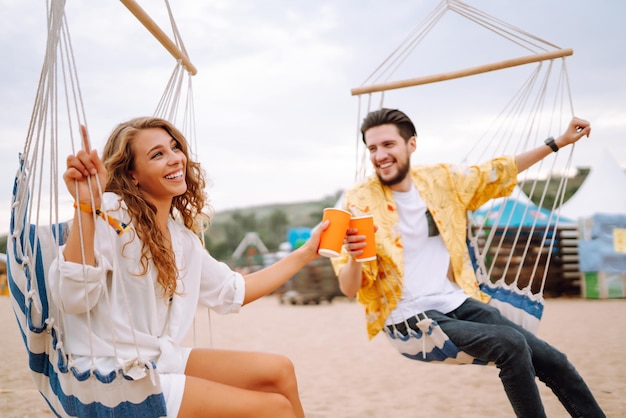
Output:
x=525 y=242
x=37 y=232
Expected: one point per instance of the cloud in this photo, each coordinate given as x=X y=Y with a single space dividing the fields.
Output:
x=274 y=115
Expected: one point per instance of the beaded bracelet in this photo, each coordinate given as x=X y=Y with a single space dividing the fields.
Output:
x=85 y=208
x=120 y=227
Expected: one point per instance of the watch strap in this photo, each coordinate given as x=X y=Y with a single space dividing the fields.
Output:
x=550 y=142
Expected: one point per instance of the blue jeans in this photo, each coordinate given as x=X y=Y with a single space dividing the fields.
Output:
x=482 y=332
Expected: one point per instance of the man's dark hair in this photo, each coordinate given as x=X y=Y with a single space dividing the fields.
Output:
x=389 y=116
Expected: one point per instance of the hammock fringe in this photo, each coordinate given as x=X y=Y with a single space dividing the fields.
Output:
x=67 y=391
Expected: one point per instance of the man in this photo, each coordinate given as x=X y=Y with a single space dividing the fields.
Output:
x=420 y=213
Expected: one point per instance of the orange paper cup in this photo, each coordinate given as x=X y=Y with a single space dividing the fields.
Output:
x=365 y=226
x=332 y=238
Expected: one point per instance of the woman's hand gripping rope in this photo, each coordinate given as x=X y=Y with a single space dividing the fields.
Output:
x=85 y=174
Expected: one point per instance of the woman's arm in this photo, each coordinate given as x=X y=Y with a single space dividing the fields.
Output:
x=83 y=172
x=264 y=281
x=77 y=285
x=76 y=288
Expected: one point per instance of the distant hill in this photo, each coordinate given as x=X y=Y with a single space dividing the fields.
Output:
x=298 y=213
x=573 y=184
x=271 y=222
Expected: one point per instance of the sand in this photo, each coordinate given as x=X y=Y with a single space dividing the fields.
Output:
x=342 y=374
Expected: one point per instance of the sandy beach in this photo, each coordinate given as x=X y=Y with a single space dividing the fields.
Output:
x=343 y=375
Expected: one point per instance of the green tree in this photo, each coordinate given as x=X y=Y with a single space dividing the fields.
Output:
x=246 y=222
x=277 y=229
x=220 y=251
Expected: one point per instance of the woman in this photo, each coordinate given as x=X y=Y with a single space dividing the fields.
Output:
x=141 y=250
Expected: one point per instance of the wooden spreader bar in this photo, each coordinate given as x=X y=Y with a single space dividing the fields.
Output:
x=528 y=59
x=158 y=33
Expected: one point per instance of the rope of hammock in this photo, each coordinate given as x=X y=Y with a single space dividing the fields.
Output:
x=521 y=145
x=179 y=84
x=168 y=106
x=59 y=108
x=521 y=125
x=385 y=70
x=174 y=48
x=59 y=69
x=73 y=384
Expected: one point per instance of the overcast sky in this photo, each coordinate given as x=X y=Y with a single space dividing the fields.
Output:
x=275 y=118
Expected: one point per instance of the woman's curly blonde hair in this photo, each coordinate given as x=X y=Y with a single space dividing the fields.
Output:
x=119 y=161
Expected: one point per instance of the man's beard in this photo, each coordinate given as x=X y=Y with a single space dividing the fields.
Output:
x=403 y=171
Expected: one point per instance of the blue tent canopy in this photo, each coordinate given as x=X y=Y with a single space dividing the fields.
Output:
x=516 y=213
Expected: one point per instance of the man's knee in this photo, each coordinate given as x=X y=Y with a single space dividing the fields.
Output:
x=514 y=345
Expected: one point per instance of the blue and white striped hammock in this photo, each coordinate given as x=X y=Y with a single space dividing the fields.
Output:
x=522 y=125
x=36 y=234
x=68 y=392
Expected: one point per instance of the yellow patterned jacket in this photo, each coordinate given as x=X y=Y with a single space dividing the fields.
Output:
x=449 y=192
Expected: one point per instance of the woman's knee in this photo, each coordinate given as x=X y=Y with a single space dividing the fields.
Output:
x=283 y=373
x=202 y=398
x=282 y=406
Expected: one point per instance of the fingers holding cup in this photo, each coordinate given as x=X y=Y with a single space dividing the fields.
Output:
x=365 y=226
x=332 y=237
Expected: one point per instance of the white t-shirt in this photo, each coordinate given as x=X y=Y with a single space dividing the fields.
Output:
x=134 y=321
x=426 y=263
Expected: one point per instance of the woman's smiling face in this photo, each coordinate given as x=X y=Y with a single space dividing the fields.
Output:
x=159 y=166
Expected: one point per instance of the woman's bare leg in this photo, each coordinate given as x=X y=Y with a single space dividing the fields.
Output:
x=267 y=382
x=205 y=398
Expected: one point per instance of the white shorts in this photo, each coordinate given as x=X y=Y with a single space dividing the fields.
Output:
x=173 y=385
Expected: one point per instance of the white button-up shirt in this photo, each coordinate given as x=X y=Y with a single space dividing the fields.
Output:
x=116 y=315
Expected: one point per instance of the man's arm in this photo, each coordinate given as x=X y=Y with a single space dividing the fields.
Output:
x=350 y=275
x=576 y=129
x=350 y=278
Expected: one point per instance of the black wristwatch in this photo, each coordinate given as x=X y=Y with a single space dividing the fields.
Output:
x=550 y=142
